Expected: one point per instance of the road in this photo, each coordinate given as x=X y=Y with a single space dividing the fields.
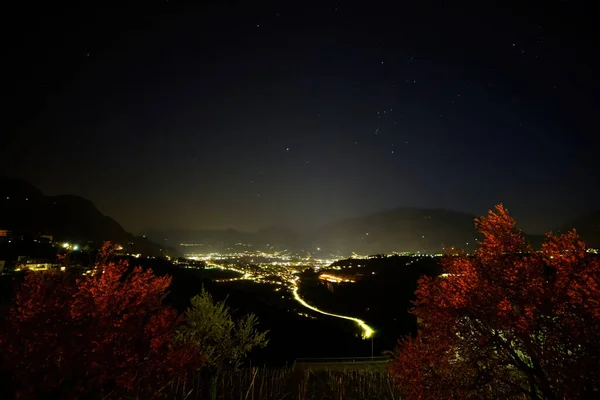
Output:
x=367 y=330
x=293 y=282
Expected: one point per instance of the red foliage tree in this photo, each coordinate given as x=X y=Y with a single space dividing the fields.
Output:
x=507 y=321
x=107 y=334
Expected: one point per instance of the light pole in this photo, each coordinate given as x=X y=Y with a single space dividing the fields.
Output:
x=372 y=347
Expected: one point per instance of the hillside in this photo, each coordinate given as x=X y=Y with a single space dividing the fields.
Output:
x=24 y=209
x=400 y=230
x=403 y=229
x=203 y=240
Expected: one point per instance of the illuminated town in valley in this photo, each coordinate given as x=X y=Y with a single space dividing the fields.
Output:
x=279 y=269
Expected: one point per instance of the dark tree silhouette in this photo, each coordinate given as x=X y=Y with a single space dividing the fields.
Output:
x=102 y=335
x=507 y=322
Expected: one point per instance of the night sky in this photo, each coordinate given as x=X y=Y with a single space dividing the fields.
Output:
x=173 y=115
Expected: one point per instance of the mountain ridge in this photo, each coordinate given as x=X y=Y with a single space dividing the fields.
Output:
x=24 y=209
x=410 y=229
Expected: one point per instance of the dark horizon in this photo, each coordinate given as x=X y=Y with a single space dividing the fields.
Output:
x=176 y=115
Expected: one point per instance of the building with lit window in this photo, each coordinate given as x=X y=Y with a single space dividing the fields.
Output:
x=26 y=263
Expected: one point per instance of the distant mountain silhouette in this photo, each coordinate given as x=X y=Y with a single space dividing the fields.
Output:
x=211 y=239
x=403 y=229
x=282 y=237
x=406 y=229
x=24 y=209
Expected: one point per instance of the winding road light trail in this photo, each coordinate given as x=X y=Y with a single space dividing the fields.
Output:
x=367 y=330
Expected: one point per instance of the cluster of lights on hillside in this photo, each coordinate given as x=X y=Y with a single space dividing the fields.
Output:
x=335 y=279
x=263 y=258
x=70 y=246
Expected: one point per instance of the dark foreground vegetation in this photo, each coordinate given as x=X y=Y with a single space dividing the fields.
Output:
x=505 y=322
x=287 y=383
x=109 y=334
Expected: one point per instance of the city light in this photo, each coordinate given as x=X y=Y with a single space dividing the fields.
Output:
x=285 y=271
x=335 y=278
x=281 y=268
